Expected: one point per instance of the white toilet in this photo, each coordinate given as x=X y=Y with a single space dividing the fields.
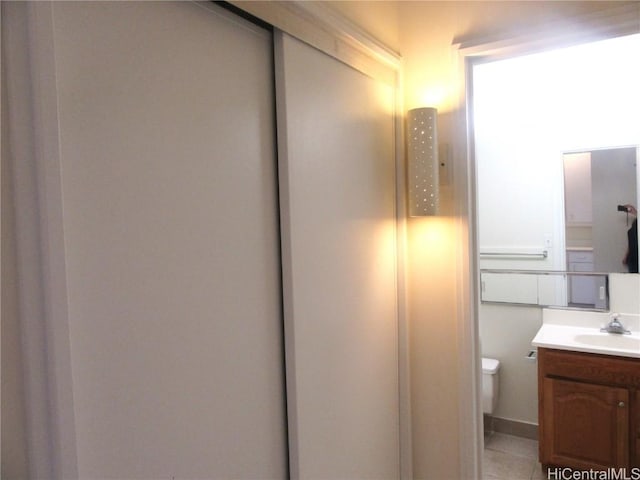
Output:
x=490 y=367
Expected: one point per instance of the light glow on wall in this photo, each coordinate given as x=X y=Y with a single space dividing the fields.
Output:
x=431 y=242
x=434 y=95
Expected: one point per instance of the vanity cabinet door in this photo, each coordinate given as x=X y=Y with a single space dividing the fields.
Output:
x=635 y=429
x=586 y=426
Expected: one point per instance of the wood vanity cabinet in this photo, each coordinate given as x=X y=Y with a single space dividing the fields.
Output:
x=589 y=410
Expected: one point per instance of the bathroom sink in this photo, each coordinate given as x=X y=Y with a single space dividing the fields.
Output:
x=579 y=331
x=608 y=340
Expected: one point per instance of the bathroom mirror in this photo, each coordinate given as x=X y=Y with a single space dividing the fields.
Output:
x=532 y=116
x=596 y=183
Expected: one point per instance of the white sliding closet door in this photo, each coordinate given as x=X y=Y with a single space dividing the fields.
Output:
x=337 y=178
x=170 y=222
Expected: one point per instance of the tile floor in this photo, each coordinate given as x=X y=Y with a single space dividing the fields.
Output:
x=511 y=458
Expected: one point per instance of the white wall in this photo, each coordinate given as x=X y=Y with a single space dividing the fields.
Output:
x=624 y=290
x=434 y=358
x=505 y=334
x=518 y=170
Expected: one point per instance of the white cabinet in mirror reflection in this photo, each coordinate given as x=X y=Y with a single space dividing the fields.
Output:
x=582 y=289
x=514 y=288
x=546 y=288
x=523 y=287
x=577 y=189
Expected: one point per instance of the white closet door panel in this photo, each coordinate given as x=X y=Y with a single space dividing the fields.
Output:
x=337 y=177
x=172 y=249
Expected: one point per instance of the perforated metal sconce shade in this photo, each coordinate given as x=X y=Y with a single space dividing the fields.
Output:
x=422 y=171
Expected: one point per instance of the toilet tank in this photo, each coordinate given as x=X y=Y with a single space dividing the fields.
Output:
x=490 y=369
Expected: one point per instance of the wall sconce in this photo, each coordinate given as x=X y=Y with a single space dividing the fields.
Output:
x=422 y=170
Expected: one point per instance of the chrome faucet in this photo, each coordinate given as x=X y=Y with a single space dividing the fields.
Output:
x=614 y=326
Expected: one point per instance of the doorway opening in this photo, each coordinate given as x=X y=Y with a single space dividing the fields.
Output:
x=527 y=110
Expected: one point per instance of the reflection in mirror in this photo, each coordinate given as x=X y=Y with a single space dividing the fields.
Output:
x=542 y=288
x=598 y=185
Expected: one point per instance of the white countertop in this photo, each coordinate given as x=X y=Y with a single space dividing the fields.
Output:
x=580 y=332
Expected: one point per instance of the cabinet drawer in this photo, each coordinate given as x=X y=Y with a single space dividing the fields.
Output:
x=579 y=257
x=581 y=267
x=590 y=367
